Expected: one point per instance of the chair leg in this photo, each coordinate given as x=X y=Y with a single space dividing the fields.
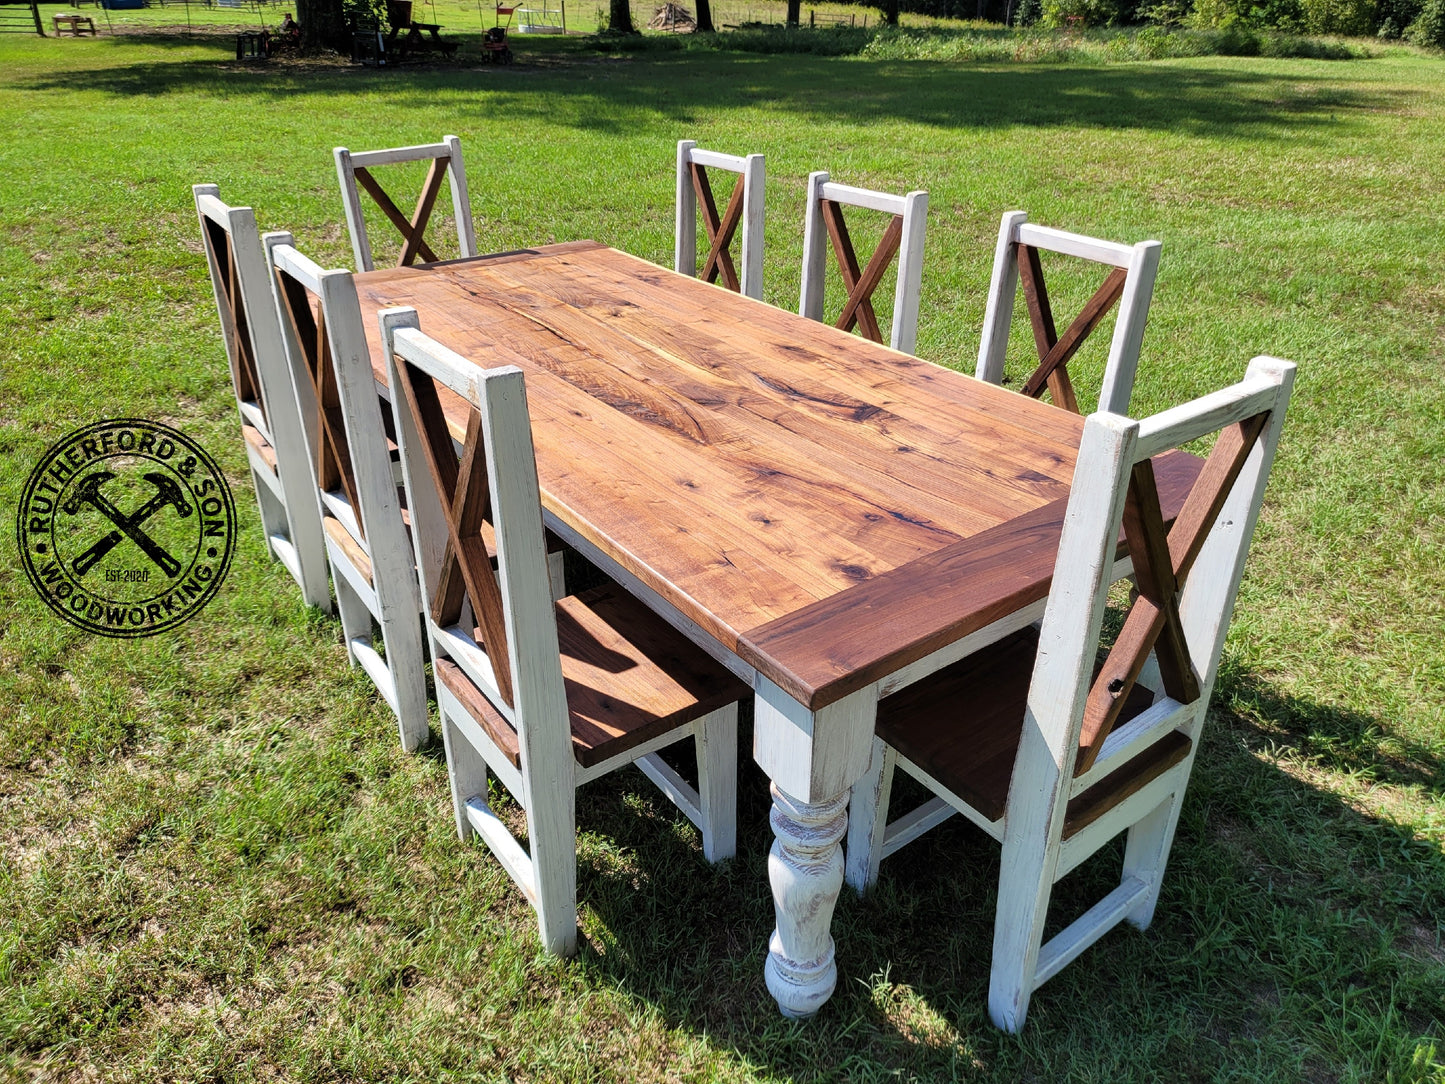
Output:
x=552 y=840
x=273 y=512
x=1146 y=852
x=402 y=635
x=868 y=818
x=466 y=771
x=717 y=782
x=304 y=530
x=1024 y=885
x=355 y=617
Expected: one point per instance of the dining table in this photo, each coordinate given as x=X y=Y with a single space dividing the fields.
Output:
x=830 y=519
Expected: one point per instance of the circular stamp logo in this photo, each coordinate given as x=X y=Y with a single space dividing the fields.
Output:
x=126 y=528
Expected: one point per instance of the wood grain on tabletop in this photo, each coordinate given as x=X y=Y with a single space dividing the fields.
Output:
x=743 y=462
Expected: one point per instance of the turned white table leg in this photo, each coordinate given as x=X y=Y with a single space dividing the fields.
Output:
x=813 y=759
x=805 y=868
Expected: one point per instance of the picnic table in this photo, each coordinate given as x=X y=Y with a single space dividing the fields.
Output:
x=830 y=519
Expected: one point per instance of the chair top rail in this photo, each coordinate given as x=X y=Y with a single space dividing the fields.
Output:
x=385 y=157
x=456 y=372
x=733 y=163
x=863 y=197
x=213 y=208
x=1076 y=244
x=303 y=269
x=1256 y=393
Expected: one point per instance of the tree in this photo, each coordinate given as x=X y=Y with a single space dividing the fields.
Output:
x=704 y=17
x=619 y=18
x=890 y=11
x=795 y=12
x=323 y=25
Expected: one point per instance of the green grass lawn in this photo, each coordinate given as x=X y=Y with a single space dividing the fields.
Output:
x=215 y=862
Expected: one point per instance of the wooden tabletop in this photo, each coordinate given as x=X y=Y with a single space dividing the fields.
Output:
x=826 y=508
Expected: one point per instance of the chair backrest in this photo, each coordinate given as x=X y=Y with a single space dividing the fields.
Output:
x=1130 y=283
x=267 y=392
x=1187 y=577
x=903 y=237
x=745 y=207
x=499 y=627
x=322 y=325
x=353 y=169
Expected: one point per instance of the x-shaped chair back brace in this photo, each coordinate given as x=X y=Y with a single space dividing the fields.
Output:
x=1128 y=284
x=902 y=237
x=355 y=170
x=412 y=229
x=243 y=362
x=1162 y=559
x=744 y=212
x=302 y=310
x=464 y=494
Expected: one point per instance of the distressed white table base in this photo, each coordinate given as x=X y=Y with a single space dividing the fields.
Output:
x=805 y=868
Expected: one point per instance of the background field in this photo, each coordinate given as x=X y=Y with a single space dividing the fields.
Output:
x=215 y=863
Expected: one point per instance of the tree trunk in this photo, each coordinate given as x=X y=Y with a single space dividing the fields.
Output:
x=795 y=12
x=890 y=12
x=323 y=25
x=704 y=17
x=619 y=18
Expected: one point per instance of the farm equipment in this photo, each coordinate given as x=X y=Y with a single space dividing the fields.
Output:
x=494 y=42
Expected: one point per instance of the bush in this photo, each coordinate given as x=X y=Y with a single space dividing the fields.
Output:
x=1428 y=28
x=1238 y=40
x=1093 y=47
x=834 y=41
x=1056 y=13
x=1352 y=17
x=1287 y=15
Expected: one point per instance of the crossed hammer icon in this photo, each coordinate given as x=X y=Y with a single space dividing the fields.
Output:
x=131 y=526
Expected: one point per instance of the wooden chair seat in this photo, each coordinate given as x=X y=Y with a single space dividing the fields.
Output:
x=629 y=678
x=263 y=446
x=962 y=727
x=337 y=532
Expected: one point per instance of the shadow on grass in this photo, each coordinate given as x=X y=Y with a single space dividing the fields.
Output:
x=1282 y=903
x=612 y=94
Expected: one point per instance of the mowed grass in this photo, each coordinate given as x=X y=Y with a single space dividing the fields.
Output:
x=215 y=862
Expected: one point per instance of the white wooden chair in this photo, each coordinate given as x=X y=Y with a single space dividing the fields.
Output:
x=903 y=236
x=273 y=419
x=1130 y=283
x=546 y=695
x=353 y=169
x=372 y=563
x=745 y=208
x=1051 y=752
